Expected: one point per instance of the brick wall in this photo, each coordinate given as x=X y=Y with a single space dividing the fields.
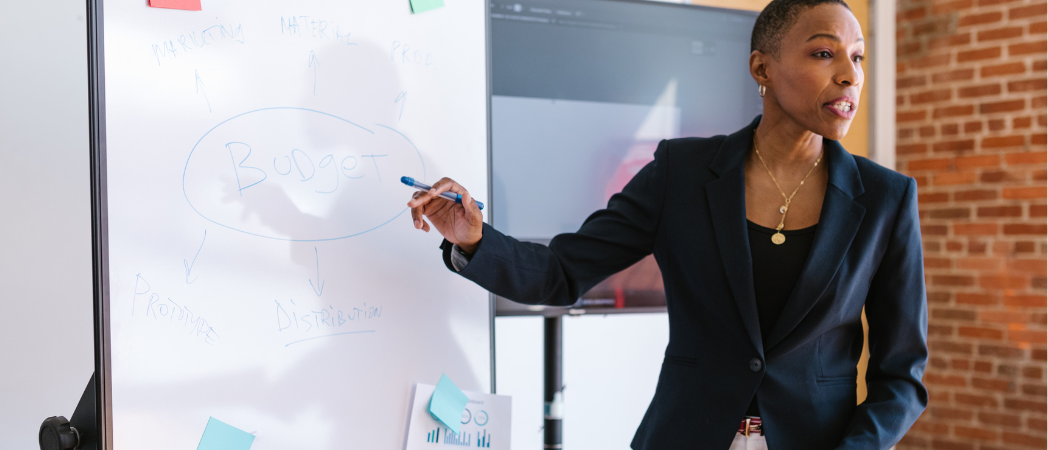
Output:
x=971 y=130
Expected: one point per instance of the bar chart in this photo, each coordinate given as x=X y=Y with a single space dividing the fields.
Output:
x=433 y=436
x=445 y=436
x=483 y=441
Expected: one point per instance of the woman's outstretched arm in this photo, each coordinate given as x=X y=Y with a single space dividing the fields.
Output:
x=609 y=240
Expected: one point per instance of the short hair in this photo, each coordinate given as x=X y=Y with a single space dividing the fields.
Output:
x=776 y=19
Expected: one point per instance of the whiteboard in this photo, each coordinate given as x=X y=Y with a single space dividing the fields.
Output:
x=263 y=269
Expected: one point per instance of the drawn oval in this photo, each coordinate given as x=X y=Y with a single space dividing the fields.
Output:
x=300 y=175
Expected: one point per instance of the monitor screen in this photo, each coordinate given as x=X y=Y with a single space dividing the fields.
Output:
x=582 y=93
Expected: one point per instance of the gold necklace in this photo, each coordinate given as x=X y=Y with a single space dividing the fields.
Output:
x=778 y=238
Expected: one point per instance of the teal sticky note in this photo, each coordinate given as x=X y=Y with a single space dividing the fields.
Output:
x=219 y=435
x=447 y=403
x=420 y=6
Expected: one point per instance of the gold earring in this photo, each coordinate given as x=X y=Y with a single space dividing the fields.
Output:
x=761 y=89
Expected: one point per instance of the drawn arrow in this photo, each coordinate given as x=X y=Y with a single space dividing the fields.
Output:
x=189 y=265
x=403 y=96
x=200 y=89
x=314 y=62
x=319 y=282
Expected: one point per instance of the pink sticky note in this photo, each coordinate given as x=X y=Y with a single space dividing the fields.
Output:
x=188 y=5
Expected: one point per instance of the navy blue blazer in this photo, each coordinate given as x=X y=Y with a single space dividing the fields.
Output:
x=688 y=208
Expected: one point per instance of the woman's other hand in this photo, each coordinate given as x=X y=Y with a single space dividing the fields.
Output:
x=460 y=224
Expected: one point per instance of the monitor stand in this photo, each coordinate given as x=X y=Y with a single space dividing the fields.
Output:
x=553 y=385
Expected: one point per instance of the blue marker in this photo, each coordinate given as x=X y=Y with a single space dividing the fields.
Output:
x=457 y=198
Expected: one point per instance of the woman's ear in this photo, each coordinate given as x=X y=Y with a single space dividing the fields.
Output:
x=759 y=68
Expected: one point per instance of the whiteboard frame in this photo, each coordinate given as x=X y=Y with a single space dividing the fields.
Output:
x=99 y=222
x=100 y=217
x=490 y=188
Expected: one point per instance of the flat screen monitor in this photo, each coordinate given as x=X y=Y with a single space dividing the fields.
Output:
x=582 y=93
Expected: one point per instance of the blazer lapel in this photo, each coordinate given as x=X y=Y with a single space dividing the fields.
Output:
x=727 y=200
x=839 y=221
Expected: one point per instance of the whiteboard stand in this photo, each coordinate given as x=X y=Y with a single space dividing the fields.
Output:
x=59 y=433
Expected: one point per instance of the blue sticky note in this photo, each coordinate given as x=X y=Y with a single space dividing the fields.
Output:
x=448 y=403
x=418 y=6
x=219 y=435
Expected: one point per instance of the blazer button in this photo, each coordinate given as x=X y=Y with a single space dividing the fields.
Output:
x=755 y=365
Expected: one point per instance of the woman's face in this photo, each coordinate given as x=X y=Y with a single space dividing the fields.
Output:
x=817 y=77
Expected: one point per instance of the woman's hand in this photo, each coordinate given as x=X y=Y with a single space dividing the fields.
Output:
x=460 y=224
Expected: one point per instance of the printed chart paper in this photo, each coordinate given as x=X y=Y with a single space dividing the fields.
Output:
x=485 y=423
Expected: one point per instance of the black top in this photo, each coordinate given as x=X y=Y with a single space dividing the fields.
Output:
x=776 y=269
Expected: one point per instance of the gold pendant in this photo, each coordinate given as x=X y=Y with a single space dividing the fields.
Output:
x=778 y=238
x=782 y=209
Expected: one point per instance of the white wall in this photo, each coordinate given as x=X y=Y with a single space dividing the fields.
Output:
x=882 y=82
x=611 y=367
x=518 y=373
x=46 y=355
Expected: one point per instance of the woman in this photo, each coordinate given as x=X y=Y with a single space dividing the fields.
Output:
x=770 y=241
